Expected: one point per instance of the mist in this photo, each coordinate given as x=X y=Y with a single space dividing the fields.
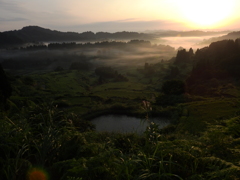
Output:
x=133 y=53
x=194 y=42
x=47 y=56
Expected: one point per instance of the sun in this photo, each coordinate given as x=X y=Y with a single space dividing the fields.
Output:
x=206 y=13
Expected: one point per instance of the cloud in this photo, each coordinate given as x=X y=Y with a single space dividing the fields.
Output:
x=12 y=6
x=125 y=20
x=12 y=19
x=17 y=14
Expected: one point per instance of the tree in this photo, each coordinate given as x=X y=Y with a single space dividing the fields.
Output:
x=184 y=56
x=173 y=87
x=191 y=53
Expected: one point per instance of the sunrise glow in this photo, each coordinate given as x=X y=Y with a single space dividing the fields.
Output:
x=206 y=13
x=108 y=15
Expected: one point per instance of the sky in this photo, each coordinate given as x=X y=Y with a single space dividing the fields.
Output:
x=120 y=15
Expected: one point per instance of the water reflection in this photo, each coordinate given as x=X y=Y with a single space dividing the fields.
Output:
x=125 y=124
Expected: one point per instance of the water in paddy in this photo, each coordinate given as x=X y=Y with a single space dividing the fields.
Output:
x=125 y=124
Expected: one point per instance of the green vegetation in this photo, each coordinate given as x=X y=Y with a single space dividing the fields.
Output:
x=45 y=127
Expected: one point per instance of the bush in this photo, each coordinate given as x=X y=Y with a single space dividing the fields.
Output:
x=173 y=87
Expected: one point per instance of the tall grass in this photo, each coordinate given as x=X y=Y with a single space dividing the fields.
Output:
x=47 y=137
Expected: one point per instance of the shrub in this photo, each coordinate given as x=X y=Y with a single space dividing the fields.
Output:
x=173 y=87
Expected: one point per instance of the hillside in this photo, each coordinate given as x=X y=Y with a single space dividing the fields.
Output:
x=215 y=69
x=231 y=35
x=39 y=34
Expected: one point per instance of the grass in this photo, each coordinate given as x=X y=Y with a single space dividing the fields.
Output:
x=198 y=115
x=79 y=91
x=77 y=100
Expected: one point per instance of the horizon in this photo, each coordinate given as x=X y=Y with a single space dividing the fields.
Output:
x=144 y=31
x=115 y=16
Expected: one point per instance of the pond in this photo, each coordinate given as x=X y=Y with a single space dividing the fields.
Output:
x=125 y=124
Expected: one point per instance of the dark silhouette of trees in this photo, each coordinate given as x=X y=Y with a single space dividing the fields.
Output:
x=173 y=87
x=5 y=87
x=219 y=61
x=107 y=44
x=39 y=34
x=184 y=56
x=173 y=93
x=148 y=70
x=190 y=52
x=109 y=73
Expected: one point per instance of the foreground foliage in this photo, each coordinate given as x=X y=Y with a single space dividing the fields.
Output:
x=42 y=137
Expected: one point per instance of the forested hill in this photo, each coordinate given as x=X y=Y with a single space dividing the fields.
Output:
x=232 y=35
x=36 y=34
x=220 y=62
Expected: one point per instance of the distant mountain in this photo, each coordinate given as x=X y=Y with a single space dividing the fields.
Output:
x=7 y=39
x=39 y=34
x=231 y=35
x=193 y=33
